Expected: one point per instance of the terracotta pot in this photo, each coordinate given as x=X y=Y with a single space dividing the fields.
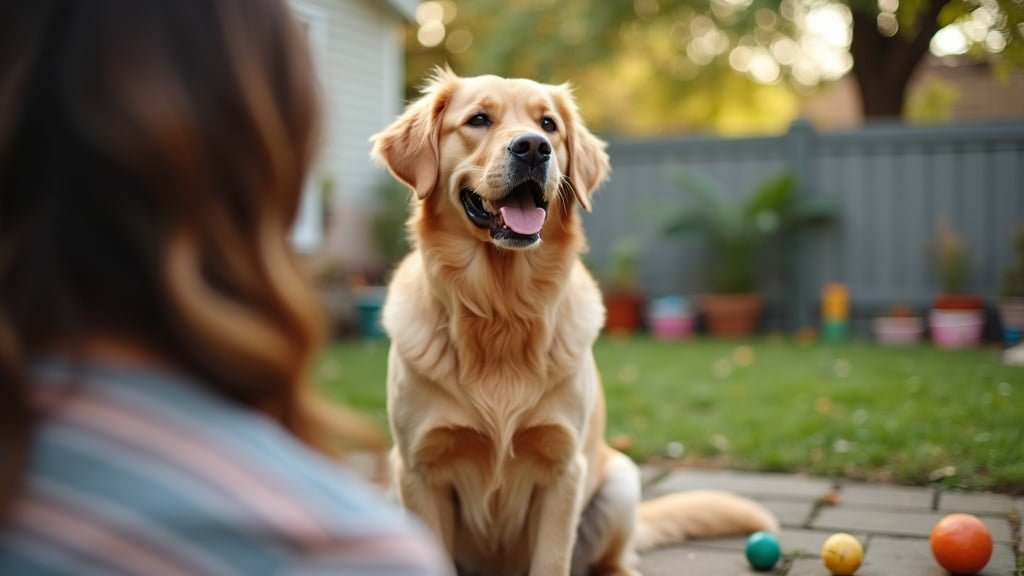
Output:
x=958 y=302
x=732 y=315
x=622 y=311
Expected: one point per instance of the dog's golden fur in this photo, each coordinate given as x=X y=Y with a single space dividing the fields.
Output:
x=494 y=398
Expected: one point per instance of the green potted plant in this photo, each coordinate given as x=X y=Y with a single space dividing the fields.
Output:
x=957 y=316
x=736 y=232
x=623 y=301
x=1011 y=293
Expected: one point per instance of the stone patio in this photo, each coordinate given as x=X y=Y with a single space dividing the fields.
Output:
x=892 y=522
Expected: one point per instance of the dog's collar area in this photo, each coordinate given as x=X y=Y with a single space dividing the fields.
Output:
x=526 y=193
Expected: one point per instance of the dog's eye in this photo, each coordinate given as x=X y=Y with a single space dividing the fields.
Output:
x=479 y=119
x=548 y=124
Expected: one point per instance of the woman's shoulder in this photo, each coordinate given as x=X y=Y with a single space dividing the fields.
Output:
x=162 y=451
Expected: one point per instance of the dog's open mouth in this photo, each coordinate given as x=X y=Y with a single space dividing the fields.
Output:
x=515 y=220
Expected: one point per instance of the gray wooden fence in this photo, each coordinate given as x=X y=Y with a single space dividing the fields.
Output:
x=891 y=183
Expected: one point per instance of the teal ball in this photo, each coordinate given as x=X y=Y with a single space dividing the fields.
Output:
x=763 y=550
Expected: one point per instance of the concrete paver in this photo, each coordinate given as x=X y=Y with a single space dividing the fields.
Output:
x=789 y=513
x=842 y=519
x=783 y=486
x=875 y=496
x=995 y=504
x=690 y=560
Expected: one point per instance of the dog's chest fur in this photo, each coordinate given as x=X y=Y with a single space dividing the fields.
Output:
x=500 y=363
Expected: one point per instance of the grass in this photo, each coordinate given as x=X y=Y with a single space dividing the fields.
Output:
x=856 y=410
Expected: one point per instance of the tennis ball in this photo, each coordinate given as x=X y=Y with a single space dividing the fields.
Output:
x=763 y=550
x=842 y=554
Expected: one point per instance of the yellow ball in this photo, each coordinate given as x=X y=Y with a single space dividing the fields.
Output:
x=842 y=554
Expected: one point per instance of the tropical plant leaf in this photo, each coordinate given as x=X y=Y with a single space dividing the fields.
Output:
x=810 y=212
x=773 y=195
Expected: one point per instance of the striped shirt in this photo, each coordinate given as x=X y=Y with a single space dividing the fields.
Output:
x=139 y=472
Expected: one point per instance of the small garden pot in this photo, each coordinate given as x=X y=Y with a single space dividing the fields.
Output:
x=369 y=302
x=732 y=315
x=623 y=311
x=670 y=318
x=1011 y=314
x=956 y=328
x=898 y=330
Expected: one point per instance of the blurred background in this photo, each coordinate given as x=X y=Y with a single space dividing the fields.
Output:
x=811 y=245
x=823 y=142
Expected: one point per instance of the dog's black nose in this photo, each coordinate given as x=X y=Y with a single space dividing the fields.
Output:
x=533 y=149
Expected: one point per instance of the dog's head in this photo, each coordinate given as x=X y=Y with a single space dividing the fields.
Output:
x=508 y=155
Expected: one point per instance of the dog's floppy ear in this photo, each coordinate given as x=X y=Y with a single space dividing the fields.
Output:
x=588 y=162
x=409 y=146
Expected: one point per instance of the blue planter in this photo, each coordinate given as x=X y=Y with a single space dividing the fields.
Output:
x=369 y=302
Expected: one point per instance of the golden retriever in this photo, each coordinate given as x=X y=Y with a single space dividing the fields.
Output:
x=494 y=400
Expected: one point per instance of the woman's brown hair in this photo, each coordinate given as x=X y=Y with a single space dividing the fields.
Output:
x=152 y=154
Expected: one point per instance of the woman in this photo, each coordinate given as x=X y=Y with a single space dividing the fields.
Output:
x=155 y=333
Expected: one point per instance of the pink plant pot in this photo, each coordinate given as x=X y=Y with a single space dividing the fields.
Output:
x=898 y=331
x=671 y=327
x=956 y=328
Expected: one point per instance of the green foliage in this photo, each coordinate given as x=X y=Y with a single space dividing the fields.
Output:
x=644 y=66
x=933 y=102
x=1013 y=274
x=737 y=230
x=850 y=410
x=388 y=223
x=623 y=265
x=951 y=259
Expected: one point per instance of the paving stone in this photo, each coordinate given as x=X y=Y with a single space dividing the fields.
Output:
x=689 y=560
x=788 y=512
x=785 y=486
x=809 y=542
x=809 y=567
x=985 y=503
x=878 y=496
x=895 y=523
x=913 y=557
x=649 y=474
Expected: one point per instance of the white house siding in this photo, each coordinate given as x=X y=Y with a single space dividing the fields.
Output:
x=361 y=67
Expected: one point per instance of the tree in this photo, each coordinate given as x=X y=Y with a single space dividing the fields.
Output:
x=887 y=45
x=688 y=62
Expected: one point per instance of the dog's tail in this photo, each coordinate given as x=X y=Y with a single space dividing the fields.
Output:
x=698 y=514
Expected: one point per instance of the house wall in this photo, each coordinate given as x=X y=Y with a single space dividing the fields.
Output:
x=360 y=64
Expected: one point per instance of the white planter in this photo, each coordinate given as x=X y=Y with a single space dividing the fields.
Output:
x=898 y=330
x=956 y=328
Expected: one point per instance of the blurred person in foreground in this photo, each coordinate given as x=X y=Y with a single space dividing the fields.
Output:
x=155 y=332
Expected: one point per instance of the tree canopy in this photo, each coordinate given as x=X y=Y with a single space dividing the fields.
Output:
x=654 y=66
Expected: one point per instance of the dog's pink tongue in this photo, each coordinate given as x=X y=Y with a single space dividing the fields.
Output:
x=523 y=216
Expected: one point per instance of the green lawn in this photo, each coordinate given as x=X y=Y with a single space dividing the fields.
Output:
x=855 y=410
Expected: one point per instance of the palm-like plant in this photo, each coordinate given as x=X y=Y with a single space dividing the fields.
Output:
x=737 y=230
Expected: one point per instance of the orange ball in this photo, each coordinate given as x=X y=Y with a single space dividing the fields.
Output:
x=961 y=543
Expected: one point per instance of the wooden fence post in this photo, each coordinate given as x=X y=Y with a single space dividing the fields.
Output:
x=798 y=144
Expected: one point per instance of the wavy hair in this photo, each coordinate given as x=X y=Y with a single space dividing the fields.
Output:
x=152 y=155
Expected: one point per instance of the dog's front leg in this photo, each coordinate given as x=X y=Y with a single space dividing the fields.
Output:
x=434 y=505
x=558 y=508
